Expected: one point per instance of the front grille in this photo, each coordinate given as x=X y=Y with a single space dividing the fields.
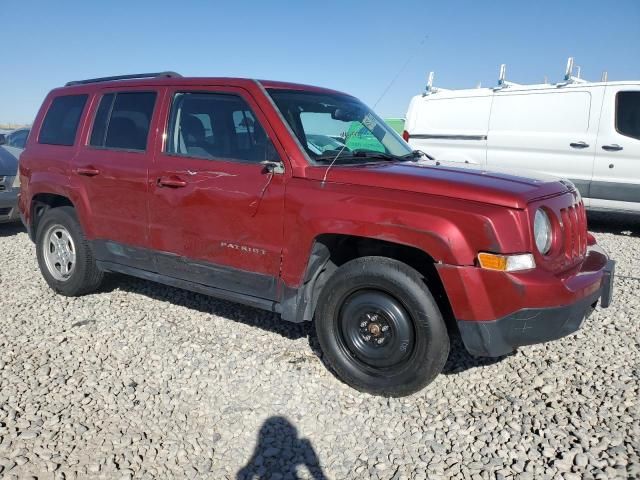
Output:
x=4 y=212
x=574 y=230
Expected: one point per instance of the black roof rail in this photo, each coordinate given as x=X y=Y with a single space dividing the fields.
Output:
x=124 y=77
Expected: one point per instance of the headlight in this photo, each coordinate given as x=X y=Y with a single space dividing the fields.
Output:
x=16 y=181
x=542 y=231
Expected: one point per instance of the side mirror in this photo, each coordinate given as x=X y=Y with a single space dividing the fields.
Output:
x=3 y=139
x=272 y=167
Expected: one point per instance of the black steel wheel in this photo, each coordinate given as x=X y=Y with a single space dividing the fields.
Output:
x=379 y=327
x=375 y=329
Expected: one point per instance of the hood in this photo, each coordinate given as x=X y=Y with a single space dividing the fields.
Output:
x=477 y=185
x=9 y=160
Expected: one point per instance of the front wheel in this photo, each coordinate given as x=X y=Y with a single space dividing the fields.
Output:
x=379 y=327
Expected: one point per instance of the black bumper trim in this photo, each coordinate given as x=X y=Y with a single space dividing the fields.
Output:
x=533 y=325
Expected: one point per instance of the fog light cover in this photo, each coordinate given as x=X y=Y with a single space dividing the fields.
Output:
x=506 y=263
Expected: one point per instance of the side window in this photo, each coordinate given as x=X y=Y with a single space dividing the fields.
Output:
x=21 y=139
x=216 y=125
x=17 y=139
x=628 y=114
x=61 y=121
x=122 y=120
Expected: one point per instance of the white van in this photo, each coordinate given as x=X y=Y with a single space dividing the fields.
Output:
x=586 y=132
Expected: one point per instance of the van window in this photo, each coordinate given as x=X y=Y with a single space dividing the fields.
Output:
x=122 y=120
x=61 y=121
x=216 y=125
x=541 y=112
x=628 y=114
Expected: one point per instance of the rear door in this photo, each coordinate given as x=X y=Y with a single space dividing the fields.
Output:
x=552 y=132
x=111 y=170
x=216 y=212
x=616 y=179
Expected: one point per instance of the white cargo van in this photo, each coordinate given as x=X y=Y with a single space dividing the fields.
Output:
x=587 y=132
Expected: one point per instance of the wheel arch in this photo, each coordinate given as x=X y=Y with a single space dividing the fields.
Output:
x=330 y=251
x=40 y=203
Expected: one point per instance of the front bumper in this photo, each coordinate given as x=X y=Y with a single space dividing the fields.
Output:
x=9 y=205
x=540 y=308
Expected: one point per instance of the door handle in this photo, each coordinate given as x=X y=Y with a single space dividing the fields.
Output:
x=579 y=145
x=612 y=148
x=87 y=171
x=171 y=182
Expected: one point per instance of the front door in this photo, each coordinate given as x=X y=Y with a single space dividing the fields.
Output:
x=216 y=212
x=616 y=179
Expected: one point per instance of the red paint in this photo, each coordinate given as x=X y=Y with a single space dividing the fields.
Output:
x=204 y=209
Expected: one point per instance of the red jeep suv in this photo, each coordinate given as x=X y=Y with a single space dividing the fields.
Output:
x=302 y=201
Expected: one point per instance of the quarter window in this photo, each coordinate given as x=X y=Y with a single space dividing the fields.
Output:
x=122 y=121
x=216 y=125
x=628 y=114
x=61 y=121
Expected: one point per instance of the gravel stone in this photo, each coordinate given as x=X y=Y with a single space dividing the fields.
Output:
x=141 y=380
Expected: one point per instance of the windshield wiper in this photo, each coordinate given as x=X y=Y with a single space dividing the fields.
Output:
x=416 y=154
x=363 y=154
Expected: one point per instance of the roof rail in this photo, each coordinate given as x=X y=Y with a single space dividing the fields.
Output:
x=124 y=77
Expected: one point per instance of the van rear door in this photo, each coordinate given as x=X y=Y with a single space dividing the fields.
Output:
x=616 y=179
x=549 y=131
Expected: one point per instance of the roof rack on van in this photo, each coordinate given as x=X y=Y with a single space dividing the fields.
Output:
x=569 y=79
x=568 y=74
x=502 y=79
x=124 y=77
x=429 y=89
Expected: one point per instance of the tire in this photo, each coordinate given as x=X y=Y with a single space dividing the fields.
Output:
x=360 y=299
x=66 y=261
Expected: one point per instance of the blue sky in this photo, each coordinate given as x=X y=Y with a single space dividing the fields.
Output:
x=357 y=47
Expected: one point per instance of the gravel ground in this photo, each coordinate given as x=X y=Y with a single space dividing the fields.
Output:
x=148 y=381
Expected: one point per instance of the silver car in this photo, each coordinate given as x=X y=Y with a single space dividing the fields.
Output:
x=9 y=183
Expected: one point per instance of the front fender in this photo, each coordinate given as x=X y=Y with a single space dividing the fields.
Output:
x=449 y=230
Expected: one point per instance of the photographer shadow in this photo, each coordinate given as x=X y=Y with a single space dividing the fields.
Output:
x=279 y=452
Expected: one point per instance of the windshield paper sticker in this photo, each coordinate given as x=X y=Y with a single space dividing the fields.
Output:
x=369 y=122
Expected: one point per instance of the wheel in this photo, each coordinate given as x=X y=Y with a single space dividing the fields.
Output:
x=64 y=255
x=379 y=327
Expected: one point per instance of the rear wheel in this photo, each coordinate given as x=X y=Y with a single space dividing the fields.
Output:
x=379 y=327
x=64 y=255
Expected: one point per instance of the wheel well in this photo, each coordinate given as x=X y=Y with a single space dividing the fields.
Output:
x=343 y=248
x=40 y=204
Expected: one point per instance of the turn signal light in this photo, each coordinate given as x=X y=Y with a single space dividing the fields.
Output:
x=506 y=263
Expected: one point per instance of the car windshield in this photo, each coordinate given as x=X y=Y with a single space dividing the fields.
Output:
x=332 y=124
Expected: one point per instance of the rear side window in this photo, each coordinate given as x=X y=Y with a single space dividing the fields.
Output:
x=122 y=121
x=61 y=121
x=216 y=125
x=628 y=114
